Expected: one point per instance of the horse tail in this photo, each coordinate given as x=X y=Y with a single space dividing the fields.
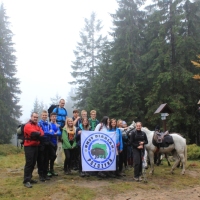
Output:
x=185 y=153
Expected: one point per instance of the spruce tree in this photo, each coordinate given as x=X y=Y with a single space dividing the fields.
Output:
x=87 y=58
x=38 y=107
x=9 y=84
x=55 y=100
x=127 y=72
x=168 y=67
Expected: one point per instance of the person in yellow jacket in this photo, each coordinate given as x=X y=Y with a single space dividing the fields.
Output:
x=68 y=143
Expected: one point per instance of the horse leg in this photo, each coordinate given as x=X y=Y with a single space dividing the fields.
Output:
x=182 y=158
x=151 y=158
x=166 y=156
x=177 y=160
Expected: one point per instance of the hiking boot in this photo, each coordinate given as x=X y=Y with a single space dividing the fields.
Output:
x=126 y=167
x=33 y=181
x=93 y=173
x=87 y=174
x=42 y=178
x=28 y=185
x=82 y=174
x=123 y=174
x=75 y=168
x=49 y=174
x=119 y=174
x=136 y=179
x=46 y=178
x=54 y=173
x=68 y=172
x=140 y=178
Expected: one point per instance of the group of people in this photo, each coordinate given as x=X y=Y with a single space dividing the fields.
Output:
x=41 y=139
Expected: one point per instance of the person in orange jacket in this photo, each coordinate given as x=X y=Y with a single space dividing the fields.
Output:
x=32 y=134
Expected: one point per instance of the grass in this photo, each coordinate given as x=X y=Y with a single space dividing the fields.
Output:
x=74 y=187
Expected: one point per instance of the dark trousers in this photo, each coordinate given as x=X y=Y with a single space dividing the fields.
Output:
x=117 y=163
x=80 y=160
x=123 y=158
x=75 y=158
x=121 y=161
x=125 y=153
x=68 y=157
x=31 y=153
x=52 y=156
x=43 y=160
x=137 y=157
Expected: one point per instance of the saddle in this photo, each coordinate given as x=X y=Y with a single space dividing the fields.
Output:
x=162 y=139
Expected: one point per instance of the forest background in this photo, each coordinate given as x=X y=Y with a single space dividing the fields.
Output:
x=143 y=62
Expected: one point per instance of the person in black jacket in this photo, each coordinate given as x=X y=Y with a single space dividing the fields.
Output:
x=138 y=140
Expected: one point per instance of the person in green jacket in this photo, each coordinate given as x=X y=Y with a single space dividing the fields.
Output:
x=69 y=143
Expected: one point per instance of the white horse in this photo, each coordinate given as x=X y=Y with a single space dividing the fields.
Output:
x=178 y=150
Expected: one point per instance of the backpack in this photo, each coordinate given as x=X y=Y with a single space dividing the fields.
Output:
x=51 y=108
x=20 y=134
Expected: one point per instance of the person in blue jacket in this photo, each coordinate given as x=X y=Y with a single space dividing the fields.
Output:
x=54 y=146
x=61 y=114
x=45 y=144
x=119 y=142
x=85 y=125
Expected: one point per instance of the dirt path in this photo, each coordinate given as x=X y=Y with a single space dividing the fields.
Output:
x=186 y=194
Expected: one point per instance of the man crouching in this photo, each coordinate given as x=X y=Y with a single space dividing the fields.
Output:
x=32 y=134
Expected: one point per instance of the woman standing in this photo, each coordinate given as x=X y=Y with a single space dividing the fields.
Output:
x=119 y=143
x=138 y=140
x=104 y=127
x=83 y=126
x=69 y=143
x=123 y=156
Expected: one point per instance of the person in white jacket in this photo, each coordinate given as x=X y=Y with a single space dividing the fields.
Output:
x=103 y=126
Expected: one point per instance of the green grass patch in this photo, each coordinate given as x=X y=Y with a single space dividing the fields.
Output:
x=74 y=187
x=8 y=149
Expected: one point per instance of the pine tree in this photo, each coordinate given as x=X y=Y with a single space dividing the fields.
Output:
x=38 y=107
x=87 y=58
x=69 y=104
x=169 y=35
x=9 y=84
x=127 y=73
x=55 y=100
x=101 y=86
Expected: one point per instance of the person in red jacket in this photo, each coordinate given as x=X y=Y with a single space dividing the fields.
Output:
x=32 y=134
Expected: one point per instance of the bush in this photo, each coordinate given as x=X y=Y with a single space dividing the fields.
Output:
x=7 y=149
x=193 y=152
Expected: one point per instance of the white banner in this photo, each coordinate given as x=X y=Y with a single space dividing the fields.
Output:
x=98 y=151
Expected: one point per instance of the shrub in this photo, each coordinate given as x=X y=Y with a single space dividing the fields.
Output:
x=193 y=152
